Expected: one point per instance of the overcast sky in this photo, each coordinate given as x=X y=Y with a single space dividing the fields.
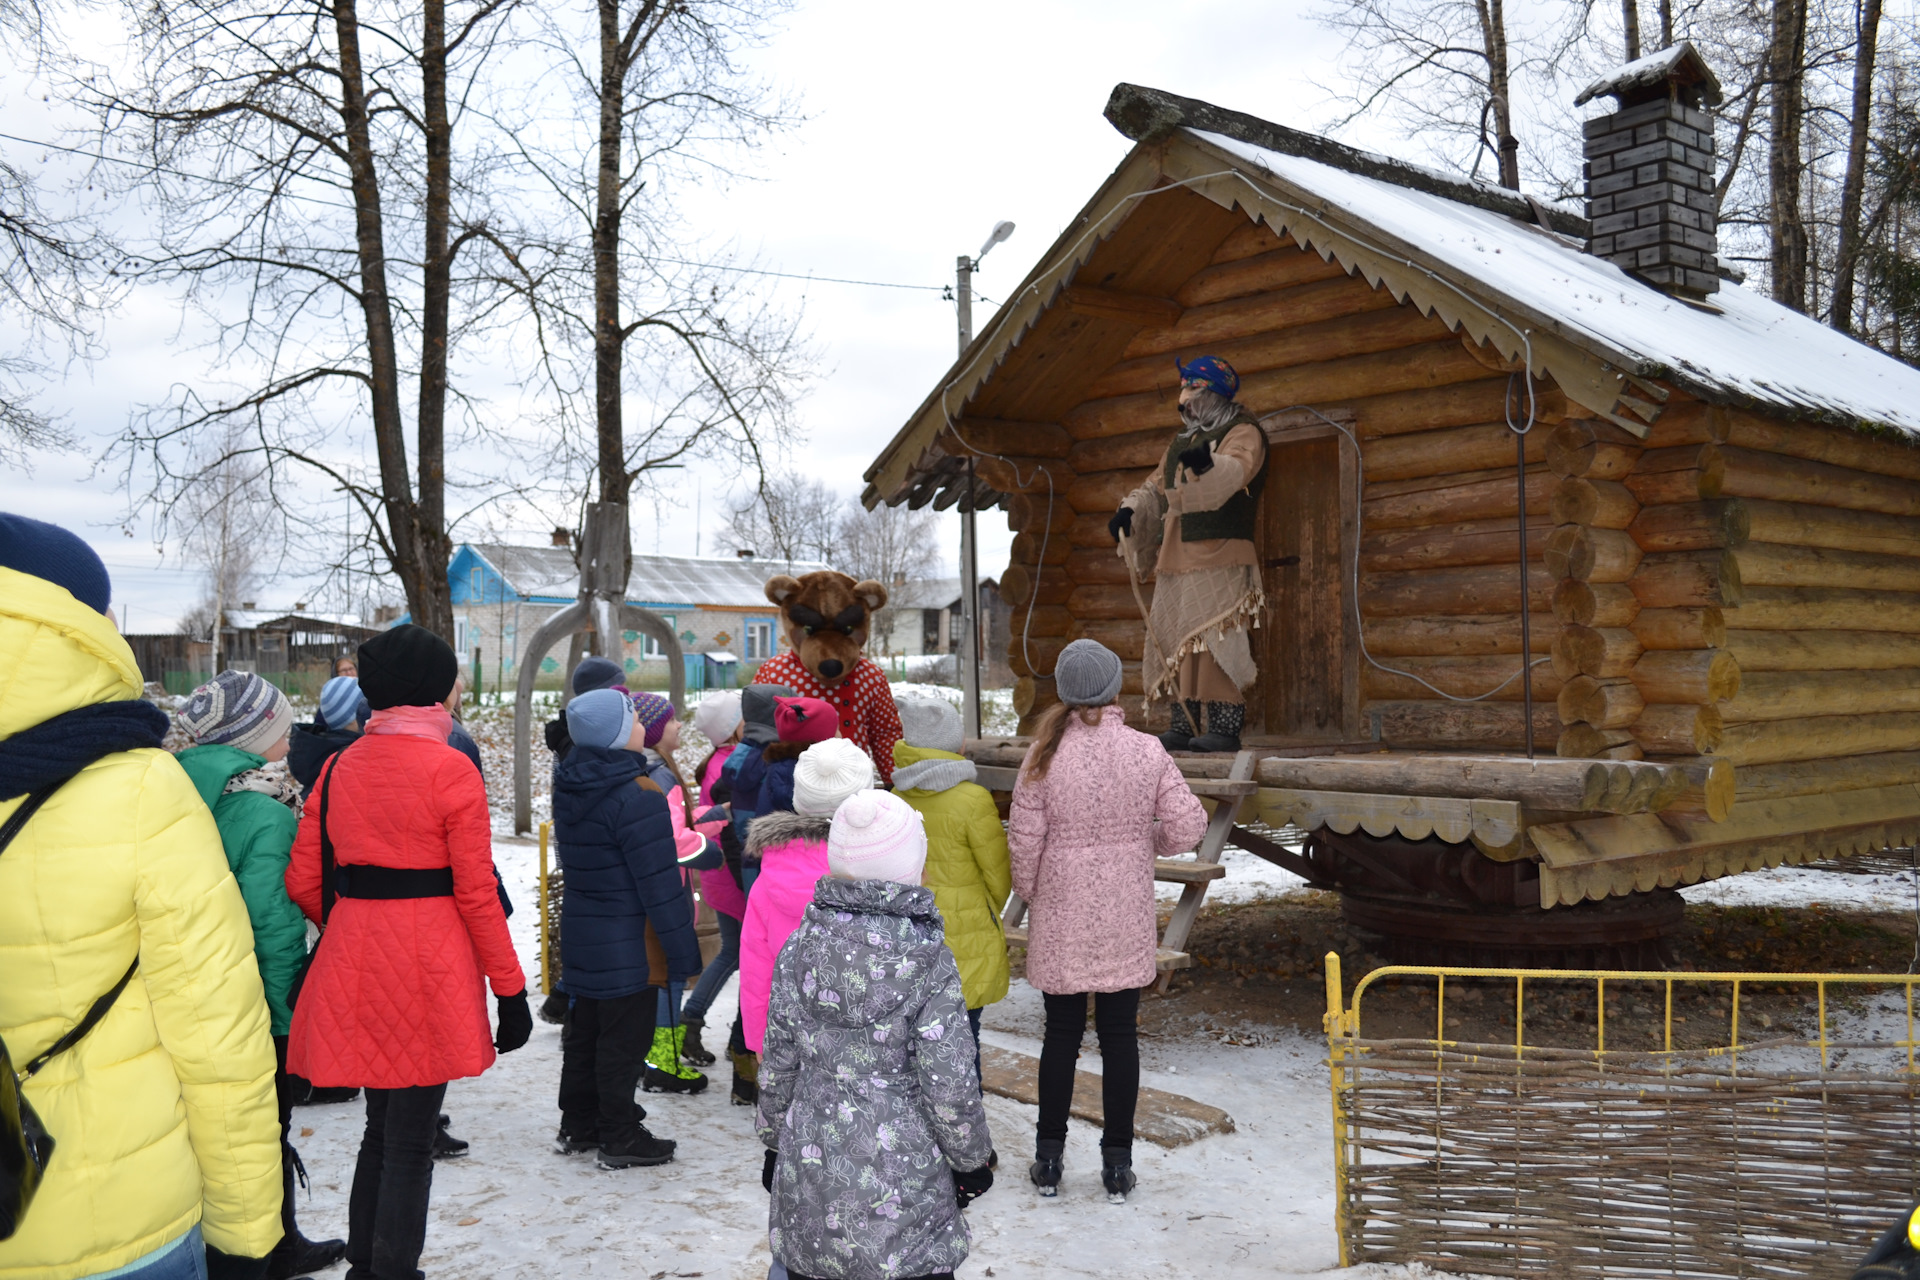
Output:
x=926 y=124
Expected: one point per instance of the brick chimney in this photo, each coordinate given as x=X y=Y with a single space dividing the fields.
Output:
x=563 y=537
x=1650 y=167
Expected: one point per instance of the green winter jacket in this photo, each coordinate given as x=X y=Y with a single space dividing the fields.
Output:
x=967 y=864
x=258 y=832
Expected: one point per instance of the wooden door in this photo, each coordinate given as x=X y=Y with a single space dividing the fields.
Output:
x=1308 y=680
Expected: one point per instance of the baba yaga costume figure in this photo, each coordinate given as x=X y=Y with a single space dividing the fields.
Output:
x=827 y=616
x=1201 y=508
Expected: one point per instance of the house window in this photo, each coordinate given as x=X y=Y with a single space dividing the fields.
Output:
x=460 y=638
x=476 y=587
x=759 y=641
x=653 y=649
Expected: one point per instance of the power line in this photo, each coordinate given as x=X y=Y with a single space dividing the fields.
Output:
x=335 y=204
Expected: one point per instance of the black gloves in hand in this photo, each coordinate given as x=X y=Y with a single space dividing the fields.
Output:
x=972 y=1184
x=1122 y=522
x=766 y=1170
x=516 y=1022
x=226 y=1266
x=1198 y=459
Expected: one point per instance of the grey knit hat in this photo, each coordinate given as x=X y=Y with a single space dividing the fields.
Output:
x=238 y=709
x=929 y=723
x=1087 y=674
x=756 y=711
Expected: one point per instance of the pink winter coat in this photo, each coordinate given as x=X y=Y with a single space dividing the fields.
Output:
x=1083 y=842
x=791 y=849
x=718 y=888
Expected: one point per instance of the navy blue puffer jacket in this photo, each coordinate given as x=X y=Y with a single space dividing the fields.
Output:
x=616 y=847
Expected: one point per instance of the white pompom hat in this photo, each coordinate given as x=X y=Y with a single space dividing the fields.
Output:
x=827 y=773
x=877 y=836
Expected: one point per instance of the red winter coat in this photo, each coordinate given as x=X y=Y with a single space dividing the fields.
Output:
x=394 y=997
x=864 y=700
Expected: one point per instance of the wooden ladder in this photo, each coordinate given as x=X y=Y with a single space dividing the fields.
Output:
x=1192 y=874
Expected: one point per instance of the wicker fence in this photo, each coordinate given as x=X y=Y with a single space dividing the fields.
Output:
x=1761 y=1158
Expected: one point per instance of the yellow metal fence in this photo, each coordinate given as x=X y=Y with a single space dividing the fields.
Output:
x=1761 y=1153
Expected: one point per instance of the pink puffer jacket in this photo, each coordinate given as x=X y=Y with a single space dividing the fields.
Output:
x=717 y=887
x=791 y=849
x=1083 y=842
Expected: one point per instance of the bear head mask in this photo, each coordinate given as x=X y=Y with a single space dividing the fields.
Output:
x=827 y=616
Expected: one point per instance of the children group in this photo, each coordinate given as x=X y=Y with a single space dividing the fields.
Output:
x=863 y=919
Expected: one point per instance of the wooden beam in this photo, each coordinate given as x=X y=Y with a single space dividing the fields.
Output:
x=997 y=435
x=1109 y=304
x=1570 y=786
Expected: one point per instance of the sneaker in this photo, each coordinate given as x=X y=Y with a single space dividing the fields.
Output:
x=303 y=1256
x=1048 y=1166
x=691 y=1050
x=576 y=1135
x=445 y=1145
x=636 y=1148
x=1116 y=1173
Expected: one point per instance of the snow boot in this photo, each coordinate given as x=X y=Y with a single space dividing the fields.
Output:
x=746 y=1078
x=298 y=1256
x=1179 y=735
x=635 y=1147
x=445 y=1145
x=1116 y=1173
x=1048 y=1165
x=664 y=1073
x=576 y=1136
x=691 y=1050
x=554 y=1008
x=1224 y=722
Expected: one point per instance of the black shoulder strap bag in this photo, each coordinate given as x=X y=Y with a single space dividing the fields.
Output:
x=25 y=1144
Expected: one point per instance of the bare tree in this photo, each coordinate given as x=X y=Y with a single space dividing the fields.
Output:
x=790 y=518
x=891 y=546
x=1785 y=162
x=227 y=526
x=313 y=202
x=1847 y=250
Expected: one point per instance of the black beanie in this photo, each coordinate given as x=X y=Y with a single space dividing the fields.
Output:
x=407 y=666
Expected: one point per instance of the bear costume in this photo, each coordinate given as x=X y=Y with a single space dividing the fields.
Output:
x=827 y=616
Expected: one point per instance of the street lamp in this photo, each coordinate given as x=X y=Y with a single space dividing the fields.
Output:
x=969 y=547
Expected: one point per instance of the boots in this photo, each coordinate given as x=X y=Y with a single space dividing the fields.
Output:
x=691 y=1049
x=1224 y=722
x=576 y=1135
x=664 y=1073
x=1048 y=1165
x=296 y=1255
x=1116 y=1172
x=445 y=1145
x=635 y=1147
x=1179 y=736
x=746 y=1077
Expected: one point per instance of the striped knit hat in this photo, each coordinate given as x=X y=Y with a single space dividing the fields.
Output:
x=238 y=709
x=652 y=711
x=340 y=702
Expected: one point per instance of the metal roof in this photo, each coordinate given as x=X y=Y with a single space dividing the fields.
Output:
x=549 y=573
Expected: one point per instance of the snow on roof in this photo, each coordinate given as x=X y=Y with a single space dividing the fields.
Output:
x=683 y=580
x=1752 y=350
x=1655 y=69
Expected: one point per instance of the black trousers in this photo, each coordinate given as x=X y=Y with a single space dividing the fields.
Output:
x=284 y=1091
x=931 y=1275
x=1116 y=1022
x=603 y=1050
x=392 y=1181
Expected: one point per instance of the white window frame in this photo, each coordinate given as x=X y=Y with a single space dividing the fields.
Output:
x=650 y=644
x=758 y=641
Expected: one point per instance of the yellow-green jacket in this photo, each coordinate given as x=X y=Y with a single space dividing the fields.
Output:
x=967 y=866
x=164 y=1114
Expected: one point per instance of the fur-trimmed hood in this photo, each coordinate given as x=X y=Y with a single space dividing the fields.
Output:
x=781 y=827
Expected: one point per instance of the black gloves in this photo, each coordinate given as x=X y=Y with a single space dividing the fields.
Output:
x=1198 y=459
x=972 y=1184
x=766 y=1170
x=1122 y=522
x=516 y=1022
x=225 y=1266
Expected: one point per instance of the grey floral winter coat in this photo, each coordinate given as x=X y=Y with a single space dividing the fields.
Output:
x=867 y=1088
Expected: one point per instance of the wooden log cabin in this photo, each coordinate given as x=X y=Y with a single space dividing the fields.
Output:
x=1721 y=501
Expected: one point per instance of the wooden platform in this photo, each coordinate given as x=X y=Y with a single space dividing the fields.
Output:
x=1164 y=1119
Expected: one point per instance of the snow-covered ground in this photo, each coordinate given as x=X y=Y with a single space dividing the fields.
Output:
x=1809 y=887
x=1256 y=1202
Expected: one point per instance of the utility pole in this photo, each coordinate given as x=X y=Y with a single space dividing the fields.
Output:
x=969 y=656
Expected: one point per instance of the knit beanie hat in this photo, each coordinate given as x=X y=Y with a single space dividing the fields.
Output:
x=238 y=709
x=601 y=718
x=47 y=551
x=1087 y=674
x=653 y=711
x=339 y=702
x=827 y=773
x=804 y=719
x=407 y=666
x=756 y=712
x=930 y=723
x=877 y=836
x=596 y=673
x=718 y=715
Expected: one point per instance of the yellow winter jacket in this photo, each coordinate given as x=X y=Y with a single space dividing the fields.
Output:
x=967 y=864
x=164 y=1115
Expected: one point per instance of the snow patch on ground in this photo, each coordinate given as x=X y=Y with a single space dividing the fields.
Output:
x=1257 y=1202
x=1808 y=887
x=1249 y=878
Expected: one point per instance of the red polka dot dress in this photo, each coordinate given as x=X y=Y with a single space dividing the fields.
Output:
x=864 y=701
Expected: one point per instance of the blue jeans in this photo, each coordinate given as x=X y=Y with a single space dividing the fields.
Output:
x=718 y=970
x=669 y=1006
x=184 y=1258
